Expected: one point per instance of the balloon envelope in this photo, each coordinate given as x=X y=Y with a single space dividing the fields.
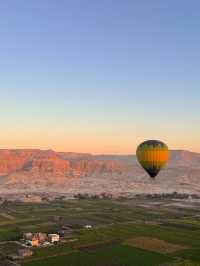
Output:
x=152 y=155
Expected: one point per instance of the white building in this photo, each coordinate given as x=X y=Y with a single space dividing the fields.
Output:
x=88 y=226
x=28 y=236
x=53 y=238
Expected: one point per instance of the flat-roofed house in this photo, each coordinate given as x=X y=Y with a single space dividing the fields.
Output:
x=41 y=237
x=35 y=242
x=28 y=236
x=25 y=252
x=53 y=238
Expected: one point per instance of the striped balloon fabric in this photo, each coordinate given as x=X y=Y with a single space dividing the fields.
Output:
x=152 y=155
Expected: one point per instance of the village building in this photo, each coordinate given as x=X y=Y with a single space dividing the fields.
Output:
x=61 y=233
x=88 y=226
x=26 y=252
x=35 y=239
x=53 y=238
x=27 y=236
x=41 y=237
x=35 y=242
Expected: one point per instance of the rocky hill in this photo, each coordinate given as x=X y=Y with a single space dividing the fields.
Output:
x=38 y=170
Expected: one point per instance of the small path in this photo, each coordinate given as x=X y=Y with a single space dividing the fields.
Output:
x=14 y=263
x=8 y=216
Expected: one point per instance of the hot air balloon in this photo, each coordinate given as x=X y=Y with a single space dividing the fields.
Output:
x=152 y=155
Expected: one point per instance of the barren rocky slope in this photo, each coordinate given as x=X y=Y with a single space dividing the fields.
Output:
x=37 y=170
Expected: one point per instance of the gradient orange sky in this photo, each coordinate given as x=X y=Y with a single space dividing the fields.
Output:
x=98 y=77
x=94 y=129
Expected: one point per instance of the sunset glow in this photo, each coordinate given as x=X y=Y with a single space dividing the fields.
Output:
x=103 y=85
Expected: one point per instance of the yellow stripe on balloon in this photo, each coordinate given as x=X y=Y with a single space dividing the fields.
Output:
x=158 y=156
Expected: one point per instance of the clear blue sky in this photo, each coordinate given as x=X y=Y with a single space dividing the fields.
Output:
x=99 y=76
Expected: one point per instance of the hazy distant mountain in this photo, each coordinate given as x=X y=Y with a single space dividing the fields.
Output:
x=37 y=170
x=185 y=158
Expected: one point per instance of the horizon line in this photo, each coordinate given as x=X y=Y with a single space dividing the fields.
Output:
x=88 y=153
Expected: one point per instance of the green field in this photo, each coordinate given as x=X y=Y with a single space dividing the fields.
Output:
x=116 y=227
x=114 y=255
